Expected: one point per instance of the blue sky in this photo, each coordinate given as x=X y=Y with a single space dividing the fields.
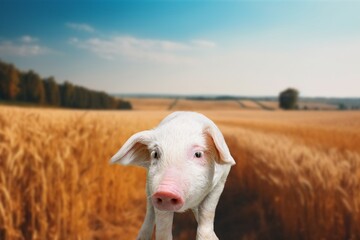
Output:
x=251 y=48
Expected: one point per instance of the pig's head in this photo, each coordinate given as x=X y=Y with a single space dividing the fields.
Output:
x=183 y=155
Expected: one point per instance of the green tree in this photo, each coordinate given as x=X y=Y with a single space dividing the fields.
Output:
x=288 y=98
x=9 y=81
x=29 y=87
x=67 y=92
x=121 y=104
x=342 y=106
x=52 y=92
x=81 y=97
x=32 y=88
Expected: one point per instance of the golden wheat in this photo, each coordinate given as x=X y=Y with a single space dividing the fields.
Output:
x=249 y=104
x=153 y=104
x=184 y=104
x=297 y=175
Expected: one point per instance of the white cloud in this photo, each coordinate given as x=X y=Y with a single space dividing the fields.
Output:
x=204 y=43
x=28 y=39
x=25 y=46
x=73 y=40
x=81 y=27
x=151 y=50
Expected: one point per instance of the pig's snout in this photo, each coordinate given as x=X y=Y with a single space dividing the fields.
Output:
x=167 y=200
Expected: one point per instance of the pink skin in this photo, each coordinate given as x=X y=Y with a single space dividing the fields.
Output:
x=191 y=154
x=169 y=194
x=167 y=198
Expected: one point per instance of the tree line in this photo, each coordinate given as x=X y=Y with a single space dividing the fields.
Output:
x=16 y=85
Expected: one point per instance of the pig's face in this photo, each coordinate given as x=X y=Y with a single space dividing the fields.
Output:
x=181 y=167
x=181 y=155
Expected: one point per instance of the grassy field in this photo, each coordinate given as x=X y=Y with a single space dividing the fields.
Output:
x=201 y=105
x=151 y=103
x=174 y=104
x=297 y=175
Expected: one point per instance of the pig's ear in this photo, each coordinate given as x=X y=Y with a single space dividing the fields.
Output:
x=216 y=136
x=135 y=150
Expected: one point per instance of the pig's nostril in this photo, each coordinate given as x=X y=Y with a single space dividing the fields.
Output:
x=167 y=201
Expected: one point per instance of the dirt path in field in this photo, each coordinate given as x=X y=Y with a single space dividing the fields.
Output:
x=262 y=106
x=173 y=104
x=242 y=106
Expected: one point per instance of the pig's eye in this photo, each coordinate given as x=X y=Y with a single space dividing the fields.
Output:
x=155 y=154
x=198 y=154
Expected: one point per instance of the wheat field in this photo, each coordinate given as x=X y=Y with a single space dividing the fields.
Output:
x=297 y=175
x=151 y=103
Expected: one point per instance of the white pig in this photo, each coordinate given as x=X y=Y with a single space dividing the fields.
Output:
x=187 y=162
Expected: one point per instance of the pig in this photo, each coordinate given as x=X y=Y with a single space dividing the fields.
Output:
x=187 y=162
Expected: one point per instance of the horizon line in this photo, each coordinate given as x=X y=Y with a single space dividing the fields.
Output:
x=214 y=96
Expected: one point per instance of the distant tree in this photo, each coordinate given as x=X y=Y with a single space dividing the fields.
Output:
x=67 y=93
x=342 y=106
x=78 y=99
x=52 y=92
x=104 y=100
x=9 y=81
x=124 y=105
x=81 y=97
x=288 y=99
x=32 y=88
x=29 y=87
